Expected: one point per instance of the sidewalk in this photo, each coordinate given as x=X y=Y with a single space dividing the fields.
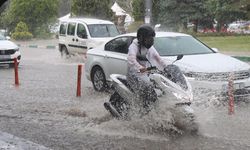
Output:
x=47 y=44
x=11 y=142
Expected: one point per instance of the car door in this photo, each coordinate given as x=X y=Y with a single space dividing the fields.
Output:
x=81 y=38
x=116 y=56
x=70 y=38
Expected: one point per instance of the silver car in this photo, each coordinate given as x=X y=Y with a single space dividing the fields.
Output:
x=206 y=68
x=8 y=51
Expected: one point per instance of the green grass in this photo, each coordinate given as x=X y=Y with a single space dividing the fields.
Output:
x=228 y=43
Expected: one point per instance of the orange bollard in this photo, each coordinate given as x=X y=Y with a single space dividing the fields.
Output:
x=79 y=75
x=16 y=72
x=230 y=95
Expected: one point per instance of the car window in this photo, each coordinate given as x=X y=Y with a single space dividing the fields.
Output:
x=103 y=30
x=186 y=45
x=62 y=30
x=119 y=45
x=71 y=29
x=81 y=31
x=2 y=37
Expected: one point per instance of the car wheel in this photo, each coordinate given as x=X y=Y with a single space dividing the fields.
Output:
x=98 y=79
x=64 y=52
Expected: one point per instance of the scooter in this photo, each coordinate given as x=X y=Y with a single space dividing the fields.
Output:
x=173 y=91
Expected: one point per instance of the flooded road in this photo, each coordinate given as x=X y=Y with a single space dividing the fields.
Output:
x=44 y=109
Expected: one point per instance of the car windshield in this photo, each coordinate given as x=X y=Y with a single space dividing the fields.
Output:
x=2 y=37
x=186 y=45
x=103 y=30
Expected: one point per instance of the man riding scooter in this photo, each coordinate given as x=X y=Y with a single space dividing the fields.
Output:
x=137 y=77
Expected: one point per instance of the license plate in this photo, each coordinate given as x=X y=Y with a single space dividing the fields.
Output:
x=236 y=86
x=4 y=56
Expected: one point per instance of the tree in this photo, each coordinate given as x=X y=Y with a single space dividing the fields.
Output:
x=21 y=32
x=138 y=9
x=64 y=7
x=175 y=14
x=37 y=14
x=172 y=14
x=226 y=11
x=92 y=8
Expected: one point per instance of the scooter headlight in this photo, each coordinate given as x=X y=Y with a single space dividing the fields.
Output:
x=188 y=97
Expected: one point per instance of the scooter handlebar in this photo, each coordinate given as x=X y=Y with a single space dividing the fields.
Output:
x=152 y=68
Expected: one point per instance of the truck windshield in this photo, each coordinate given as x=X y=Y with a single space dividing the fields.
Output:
x=103 y=30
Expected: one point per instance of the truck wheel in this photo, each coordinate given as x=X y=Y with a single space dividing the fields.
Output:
x=64 y=52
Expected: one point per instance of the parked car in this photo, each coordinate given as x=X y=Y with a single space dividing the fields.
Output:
x=8 y=51
x=77 y=35
x=205 y=67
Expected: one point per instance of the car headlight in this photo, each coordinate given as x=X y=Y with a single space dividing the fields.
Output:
x=16 y=49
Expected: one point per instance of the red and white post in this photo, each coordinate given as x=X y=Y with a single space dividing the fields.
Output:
x=16 y=72
x=231 y=95
x=79 y=76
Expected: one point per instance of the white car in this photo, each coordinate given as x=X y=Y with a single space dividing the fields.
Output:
x=203 y=66
x=77 y=35
x=8 y=51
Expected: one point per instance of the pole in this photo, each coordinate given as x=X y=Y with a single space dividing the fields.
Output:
x=79 y=75
x=16 y=72
x=148 y=12
x=230 y=95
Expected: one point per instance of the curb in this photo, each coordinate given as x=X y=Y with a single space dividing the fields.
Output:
x=36 y=46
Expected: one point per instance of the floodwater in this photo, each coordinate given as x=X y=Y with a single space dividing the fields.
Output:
x=218 y=130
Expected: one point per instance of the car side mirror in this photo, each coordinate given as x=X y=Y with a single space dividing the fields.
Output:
x=7 y=37
x=84 y=36
x=215 y=49
x=157 y=27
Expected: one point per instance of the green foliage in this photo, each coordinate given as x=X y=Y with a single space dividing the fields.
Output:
x=35 y=13
x=175 y=14
x=228 y=43
x=21 y=32
x=138 y=10
x=225 y=11
x=134 y=26
x=92 y=8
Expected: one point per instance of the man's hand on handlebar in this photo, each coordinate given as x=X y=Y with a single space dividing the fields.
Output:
x=142 y=70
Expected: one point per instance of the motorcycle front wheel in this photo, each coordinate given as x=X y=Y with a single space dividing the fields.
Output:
x=119 y=104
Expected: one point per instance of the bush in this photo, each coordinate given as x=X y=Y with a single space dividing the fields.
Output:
x=21 y=35
x=42 y=33
x=21 y=32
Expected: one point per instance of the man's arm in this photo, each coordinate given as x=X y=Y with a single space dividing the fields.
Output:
x=132 y=61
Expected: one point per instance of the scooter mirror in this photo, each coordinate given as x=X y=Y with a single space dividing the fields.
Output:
x=179 y=57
